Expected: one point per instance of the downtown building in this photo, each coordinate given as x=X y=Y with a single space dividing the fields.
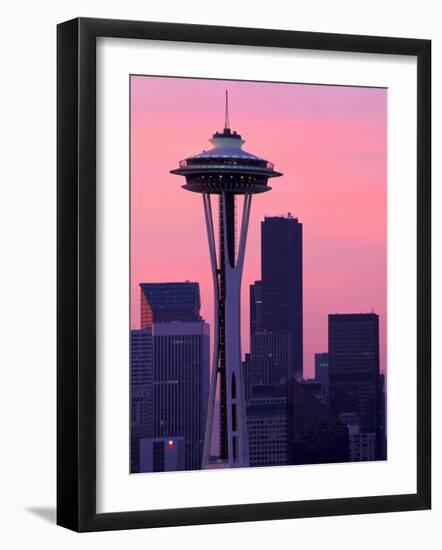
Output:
x=281 y=280
x=276 y=309
x=141 y=383
x=164 y=302
x=315 y=435
x=362 y=445
x=268 y=361
x=353 y=341
x=381 y=433
x=287 y=424
x=170 y=376
x=266 y=413
x=322 y=374
x=315 y=388
x=181 y=385
x=162 y=454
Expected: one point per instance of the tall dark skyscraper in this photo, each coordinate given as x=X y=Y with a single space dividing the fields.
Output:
x=276 y=326
x=281 y=281
x=164 y=302
x=141 y=381
x=353 y=347
x=181 y=385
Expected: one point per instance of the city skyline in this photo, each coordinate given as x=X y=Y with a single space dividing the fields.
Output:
x=289 y=421
x=343 y=249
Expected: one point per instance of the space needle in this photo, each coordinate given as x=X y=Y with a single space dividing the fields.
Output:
x=226 y=170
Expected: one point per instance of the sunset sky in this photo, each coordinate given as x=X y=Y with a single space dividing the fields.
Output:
x=330 y=143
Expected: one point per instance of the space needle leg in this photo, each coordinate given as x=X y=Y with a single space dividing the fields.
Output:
x=214 y=372
x=238 y=451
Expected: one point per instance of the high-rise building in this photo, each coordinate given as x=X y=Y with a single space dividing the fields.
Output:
x=141 y=380
x=164 y=302
x=314 y=434
x=268 y=360
x=281 y=282
x=225 y=172
x=381 y=434
x=353 y=347
x=162 y=454
x=322 y=374
x=315 y=388
x=181 y=385
x=267 y=425
x=255 y=307
x=362 y=445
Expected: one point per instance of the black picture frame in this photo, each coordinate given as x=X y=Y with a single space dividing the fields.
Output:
x=76 y=274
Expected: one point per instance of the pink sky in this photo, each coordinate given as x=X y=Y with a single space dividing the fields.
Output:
x=329 y=142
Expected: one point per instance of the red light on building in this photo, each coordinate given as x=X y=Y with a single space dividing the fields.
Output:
x=170 y=444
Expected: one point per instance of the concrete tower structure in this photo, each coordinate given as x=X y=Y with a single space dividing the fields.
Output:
x=226 y=171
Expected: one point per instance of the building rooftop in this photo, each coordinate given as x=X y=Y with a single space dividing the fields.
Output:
x=173 y=301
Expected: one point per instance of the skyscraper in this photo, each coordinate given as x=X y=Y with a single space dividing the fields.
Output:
x=268 y=360
x=255 y=308
x=164 y=302
x=281 y=280
x=315 y=388
x=362 y=445
x=141 y=380
x=169 y=378
x=276 y=316
x=267 y=425
x=162 y=454
x=353 y=347
x=227 y=171
x=181 y=385
x=314 y=434
x=322 y=374
x=381 y=434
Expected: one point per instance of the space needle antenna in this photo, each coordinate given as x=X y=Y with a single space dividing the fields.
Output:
x=226 y=116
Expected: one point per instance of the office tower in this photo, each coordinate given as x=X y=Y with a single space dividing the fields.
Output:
x=255 y=307
x=141 y=379
x=267 y=425
x=314 y=434
x=322 y=374
x=353 y=347
x=181 y=384
x=281 y=280
x=315 y=388
x=162 y=454
x=276 y=306
x=268 y=360
x=164 y=302
x=226 y=171
x=381 y=434
x=362 y=445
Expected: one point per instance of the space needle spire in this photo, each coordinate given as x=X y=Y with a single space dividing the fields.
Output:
x=226 y=115
x=227 y=171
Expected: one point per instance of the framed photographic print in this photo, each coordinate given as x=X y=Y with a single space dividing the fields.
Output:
x=243 y=274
